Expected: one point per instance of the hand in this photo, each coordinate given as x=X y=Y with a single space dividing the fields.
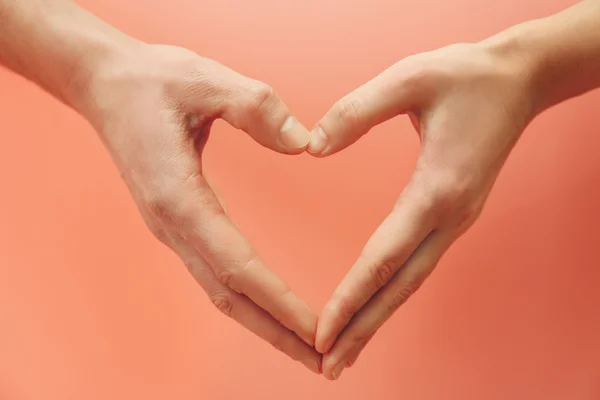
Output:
x=469 y=105
x=153 y=108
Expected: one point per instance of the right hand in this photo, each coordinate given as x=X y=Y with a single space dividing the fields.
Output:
x=153 y=107
x=469 y=104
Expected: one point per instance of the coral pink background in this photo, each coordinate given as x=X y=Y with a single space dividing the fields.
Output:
x=92 y=307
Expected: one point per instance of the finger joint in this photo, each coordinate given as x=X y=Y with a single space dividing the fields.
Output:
x=349 y=112
x=401 y=294
x=380 y=273
x=346 y=308
x=225 y=275
x=224 y=303
x=260 y=102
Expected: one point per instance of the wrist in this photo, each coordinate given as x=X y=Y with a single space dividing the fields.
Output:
x=560 y=54
x=99 y=55
x=520 y=51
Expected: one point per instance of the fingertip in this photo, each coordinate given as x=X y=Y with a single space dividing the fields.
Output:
x=319 y=342
x=318 y=142
x=314 y=364
x=323 y=338
x=309 y=337
x=336 y=372
x=307 y=323
x=322 y=344
x=293 y=136
x=330 y=367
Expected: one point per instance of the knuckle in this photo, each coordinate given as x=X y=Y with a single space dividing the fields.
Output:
x=443 y=193
x=380 y=273
x=159 y=233
x=224 y=303
x=449 y=191
x=358 y=338
x=348 y=110
x=346 y=308
x=468 y=214
x=401 y=294
x=419 y=76
x=260 y=101
x=225 y=276
x=453 y=189
x=455 y=197
x=459 y=185
x=161 y=208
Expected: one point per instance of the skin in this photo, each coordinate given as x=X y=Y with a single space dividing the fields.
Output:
x=153 y=107
x=469 y=104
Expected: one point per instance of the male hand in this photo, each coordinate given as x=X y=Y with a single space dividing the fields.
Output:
x=469 y=104
x=153 y=107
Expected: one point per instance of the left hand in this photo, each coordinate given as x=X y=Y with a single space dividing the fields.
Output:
x=153 y=107
x=469 y=104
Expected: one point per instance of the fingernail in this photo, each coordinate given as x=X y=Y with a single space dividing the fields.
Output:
x=318 y=141
x=337 y=371
x=293 y=135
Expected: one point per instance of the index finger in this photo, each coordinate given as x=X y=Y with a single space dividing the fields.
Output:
x=384 y=254
x=395 y=91
x=244 y=311
x=207 y=228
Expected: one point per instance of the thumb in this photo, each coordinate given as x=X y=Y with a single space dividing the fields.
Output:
x=255 y=108
x=389 y=94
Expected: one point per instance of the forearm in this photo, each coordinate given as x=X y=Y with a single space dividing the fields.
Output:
x=561 y=52
x=56 y=44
